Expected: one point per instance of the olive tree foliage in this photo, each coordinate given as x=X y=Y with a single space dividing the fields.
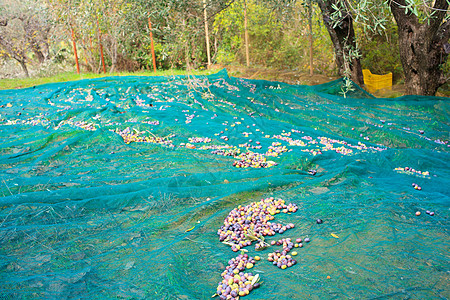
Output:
x=24 y=31
x=339 y=23
x=178 y=29
x=265 y=30
x=278 y=36
x=121 y=27
x=95 y=24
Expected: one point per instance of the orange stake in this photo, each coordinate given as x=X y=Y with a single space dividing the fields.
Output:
x=75 y=50
x=153 y=48
x=101 y=47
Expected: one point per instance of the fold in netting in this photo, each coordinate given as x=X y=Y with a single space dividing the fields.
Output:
x=150 y=187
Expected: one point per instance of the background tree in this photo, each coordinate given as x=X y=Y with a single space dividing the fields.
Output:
x=339 y=23
x=178 y=30
x=24 y=28
x=338 y=20
x=13 y=47
x=279 y=37
x=424 y=32
x=79 y=16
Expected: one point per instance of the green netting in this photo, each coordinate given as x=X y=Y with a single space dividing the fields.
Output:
x=117 y=188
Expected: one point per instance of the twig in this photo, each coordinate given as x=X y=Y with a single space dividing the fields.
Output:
x=7 y=187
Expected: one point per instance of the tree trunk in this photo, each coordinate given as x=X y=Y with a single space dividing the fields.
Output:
x=247 y=55
x=344 y=41
x=186 y=47
x=422 y=51
x=24 y=67
x=30 y=28
x=208 y=48
x=17 y=54
x=36 y=48
x=311 y=45
x=114 y=49
x=45 y=43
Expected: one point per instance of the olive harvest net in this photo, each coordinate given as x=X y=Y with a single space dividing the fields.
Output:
x=146 y=187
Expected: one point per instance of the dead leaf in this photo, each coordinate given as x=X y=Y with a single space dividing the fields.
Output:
x=187 y=230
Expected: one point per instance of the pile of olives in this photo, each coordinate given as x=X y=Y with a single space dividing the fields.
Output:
x=245 y=224
x=235 y=283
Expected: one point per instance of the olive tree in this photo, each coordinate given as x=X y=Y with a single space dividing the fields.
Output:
x=178 y=29
x=339 y=22
x=423 y=32
x=24 y=30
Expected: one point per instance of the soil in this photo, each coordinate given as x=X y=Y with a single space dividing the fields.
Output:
x=287 y=76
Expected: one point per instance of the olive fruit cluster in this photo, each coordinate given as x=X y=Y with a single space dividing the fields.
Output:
x=245 y=224
x=416 y=186
x=276 y=149
x=199 y=140
x=130 y=136
x=235 y=283
x=227 y=152
x=282 y=259
x=253 y=160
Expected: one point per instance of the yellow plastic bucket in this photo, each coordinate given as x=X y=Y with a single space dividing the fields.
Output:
x=375 y=82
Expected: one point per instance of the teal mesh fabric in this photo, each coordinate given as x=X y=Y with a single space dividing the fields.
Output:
x=116 y=187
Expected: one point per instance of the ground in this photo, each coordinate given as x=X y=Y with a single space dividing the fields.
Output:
x=296 y=77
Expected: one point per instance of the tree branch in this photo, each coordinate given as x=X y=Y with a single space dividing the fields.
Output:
x=403 y=18
x=10 y=49
x=440 y=9
x=443 y=32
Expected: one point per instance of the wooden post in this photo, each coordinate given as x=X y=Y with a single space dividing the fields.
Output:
x=311 y=68
x=153 y=48
x=101 y=46
x=207 y=35
x=75 y=50
x=247 y=56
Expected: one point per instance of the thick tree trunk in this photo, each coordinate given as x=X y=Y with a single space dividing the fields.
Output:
x=344 y=40
x=24 y=67
x=422 y=51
